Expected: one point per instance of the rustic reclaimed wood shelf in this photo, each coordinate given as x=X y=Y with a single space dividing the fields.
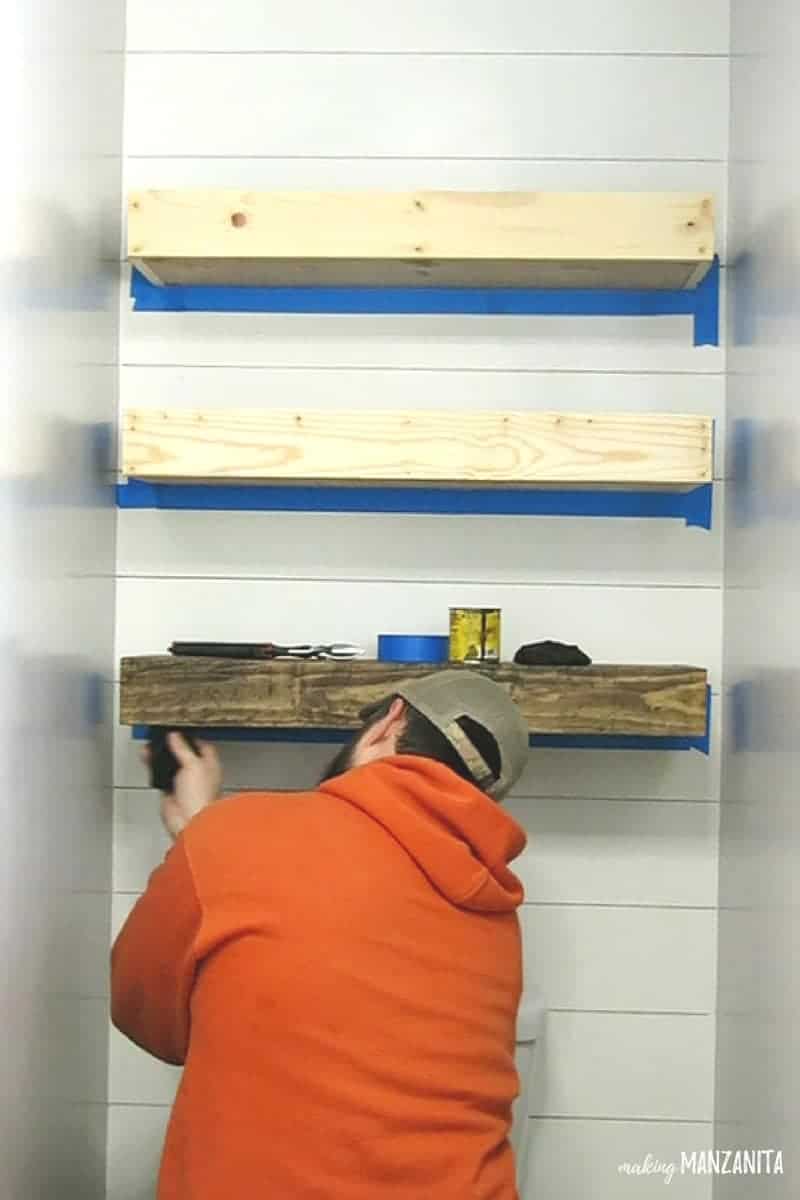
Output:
x=639 y=701
x=631 y=240
x=545 y=449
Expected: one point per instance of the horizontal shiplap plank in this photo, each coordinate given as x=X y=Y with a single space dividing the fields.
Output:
x=433 y=343
x=630 y=960
x=593 y=851
x=580 y=851
x=621 y=959
x=571 y=1159
x=623 y=625
x=328 y=386
x=136 y=1136
x=135 y=1077
x=625 y=1065
x=583 y=957
x=123 y=902
x=416 y=548
x=373 y=105
x=140 y=840
x=445 y=26
x=589 y=1064
x=480 y=175
x=580 y=1160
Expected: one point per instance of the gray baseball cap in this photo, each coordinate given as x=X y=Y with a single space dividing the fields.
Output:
x=447 y=695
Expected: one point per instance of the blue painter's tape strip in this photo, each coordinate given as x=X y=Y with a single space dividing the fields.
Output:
x=94 y=699
x=611 y=742
x=234 y=733
x=741 y=720
x=554 y=741
x=706 y=308
x=702 y=302
x=413 y=648
x=695 y=506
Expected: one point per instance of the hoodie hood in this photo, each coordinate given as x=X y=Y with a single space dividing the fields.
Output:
x=457 y=835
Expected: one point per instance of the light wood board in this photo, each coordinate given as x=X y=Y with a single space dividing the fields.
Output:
x=417 y=446
x=196 y=692
x=514 y=239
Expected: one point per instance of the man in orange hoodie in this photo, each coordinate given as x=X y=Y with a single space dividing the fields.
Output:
x=339 y=971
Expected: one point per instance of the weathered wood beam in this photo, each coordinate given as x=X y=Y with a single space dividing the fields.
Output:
x=659 y=701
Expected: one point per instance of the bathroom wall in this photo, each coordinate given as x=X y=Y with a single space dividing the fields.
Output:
x=758 y=1055
x=621 y=875
x=61 y=131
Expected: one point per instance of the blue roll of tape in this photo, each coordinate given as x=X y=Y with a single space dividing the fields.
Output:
x=413 y=648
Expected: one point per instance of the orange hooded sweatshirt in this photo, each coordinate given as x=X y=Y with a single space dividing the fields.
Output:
x=339 y=973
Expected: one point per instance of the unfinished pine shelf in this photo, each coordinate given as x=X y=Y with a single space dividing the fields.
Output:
x=544 y=449
x=637 y=240
x=645 y=701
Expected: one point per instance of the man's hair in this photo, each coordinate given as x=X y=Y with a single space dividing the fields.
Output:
x=422 y=738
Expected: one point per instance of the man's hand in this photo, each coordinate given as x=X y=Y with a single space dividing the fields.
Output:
x=198 y=783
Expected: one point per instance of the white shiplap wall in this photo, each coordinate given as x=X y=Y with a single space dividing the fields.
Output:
x=620 y=873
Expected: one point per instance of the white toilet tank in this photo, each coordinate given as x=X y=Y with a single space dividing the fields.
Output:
x=529 y=1027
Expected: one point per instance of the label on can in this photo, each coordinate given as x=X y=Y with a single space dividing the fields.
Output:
x=475 y=635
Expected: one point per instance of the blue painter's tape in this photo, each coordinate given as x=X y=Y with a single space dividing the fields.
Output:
x=701 y=303
x=695 y=506
x=610 y=742
x=413 y=648
x=94 y=697
x=235 y=733
x=742 y=712
x=554 y=741
x=706 y=308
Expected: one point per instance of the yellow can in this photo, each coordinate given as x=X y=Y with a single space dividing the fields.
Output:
x=475 y=635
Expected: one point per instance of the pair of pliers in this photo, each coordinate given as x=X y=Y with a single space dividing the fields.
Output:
x=338 y=650
x=265 y=650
